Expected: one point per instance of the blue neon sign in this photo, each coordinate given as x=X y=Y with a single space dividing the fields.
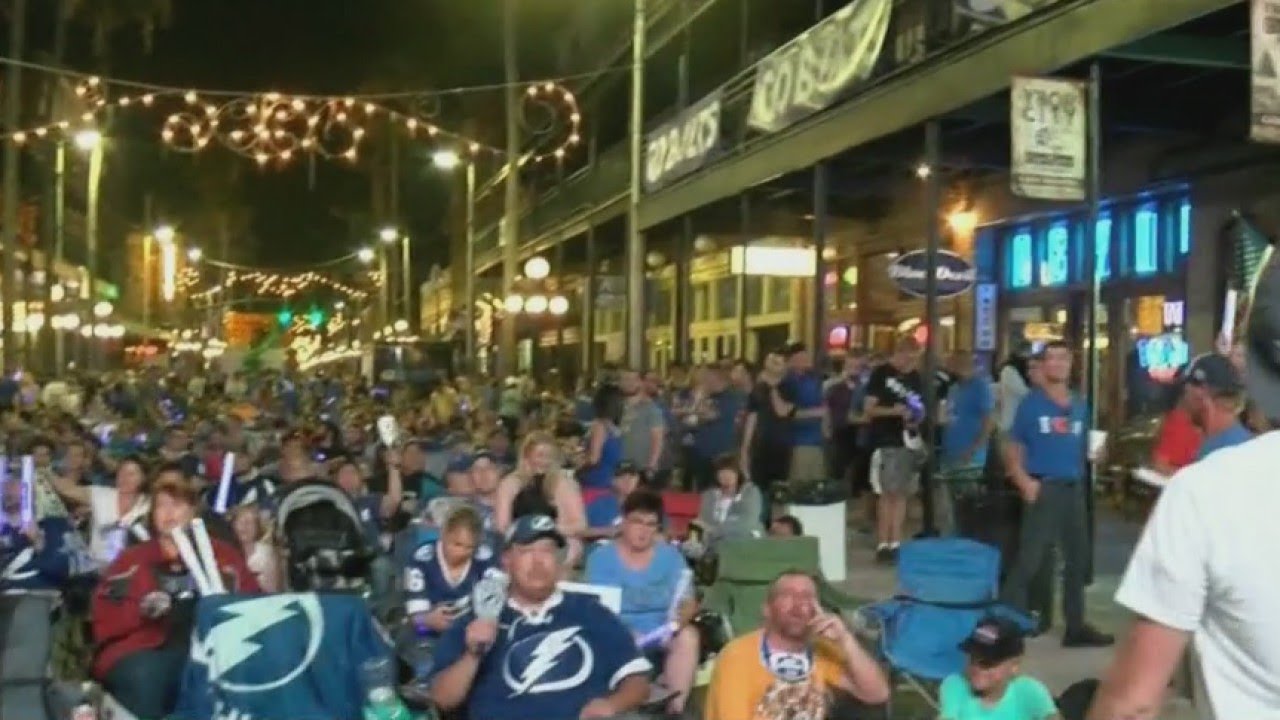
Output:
x=1146 y=240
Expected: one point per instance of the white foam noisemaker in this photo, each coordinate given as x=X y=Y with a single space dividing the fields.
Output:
x=189 y=558
x=489 y=596
x=204 y=547
x=388 y=430
x=28 y=489
x=224 y=483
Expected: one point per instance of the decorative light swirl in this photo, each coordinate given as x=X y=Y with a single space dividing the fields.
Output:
x=540 y=112
x=269 y=127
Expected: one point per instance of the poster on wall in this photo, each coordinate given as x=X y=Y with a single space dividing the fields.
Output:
x=1264 y=96
x=810 y=72
x=1049 y=127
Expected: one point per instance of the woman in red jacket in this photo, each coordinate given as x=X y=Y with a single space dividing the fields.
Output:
x=144 y=607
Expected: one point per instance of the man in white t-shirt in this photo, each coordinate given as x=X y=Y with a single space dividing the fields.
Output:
x=1205 y=571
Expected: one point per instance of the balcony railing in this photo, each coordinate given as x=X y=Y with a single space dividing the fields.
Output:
x=917 y=29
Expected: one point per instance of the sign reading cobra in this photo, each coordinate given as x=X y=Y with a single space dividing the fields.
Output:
x=910 y=273
x=682 y=145
x=810 y=72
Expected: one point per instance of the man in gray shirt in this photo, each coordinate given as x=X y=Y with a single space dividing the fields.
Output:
x=644 y=429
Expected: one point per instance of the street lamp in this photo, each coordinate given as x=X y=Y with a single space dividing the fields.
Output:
x=388 y=235
x=446 y=159
x=536 y=304
x=165 y=233
x=88 y=139
x=195 y=254
x=537 y=268
x=365 y=255
x=514 y=304
x=558 y=305
x=103 y=309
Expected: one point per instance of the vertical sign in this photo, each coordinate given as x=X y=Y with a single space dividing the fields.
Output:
x=1264 y=96
x=984 y=318
x=1049 y=125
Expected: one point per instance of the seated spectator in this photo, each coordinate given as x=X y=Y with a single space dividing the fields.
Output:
x=40 y=555
x=991 y=685
x=604 y=514
x=143 y=609
x=260 y=554
x=486 y=473
x=499 y=446
x=786 y=526
x=731 y=509
x=112 y=510
x=790 y=666
x=457 y=478
x=648 y=572
x=439 y=577
x=374 y=507
x=548 y=654
x=541 y=486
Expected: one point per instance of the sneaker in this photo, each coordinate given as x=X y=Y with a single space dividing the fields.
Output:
x=884 y=554
x=1087 y=636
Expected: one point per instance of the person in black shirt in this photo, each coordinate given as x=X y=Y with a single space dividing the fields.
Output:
x=893 y=408
x=766 y=438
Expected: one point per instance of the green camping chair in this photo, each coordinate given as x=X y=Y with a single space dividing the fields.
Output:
x=748 y=566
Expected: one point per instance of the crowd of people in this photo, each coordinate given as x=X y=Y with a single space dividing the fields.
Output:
x=473 y=481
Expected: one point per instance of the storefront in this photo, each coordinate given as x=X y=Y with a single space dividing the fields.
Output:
x=1037 y=265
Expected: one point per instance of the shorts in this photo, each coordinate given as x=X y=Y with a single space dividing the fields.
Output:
x=895 y=471
x=808 y=462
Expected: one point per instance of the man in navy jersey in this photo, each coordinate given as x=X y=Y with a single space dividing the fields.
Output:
x=548 y=656
x=1045 y=457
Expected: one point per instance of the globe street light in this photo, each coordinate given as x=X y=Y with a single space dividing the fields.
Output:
x=388 y=235
x=88 y=139
x=446 y=159
x=558 y=305
x=365 y=255
x=536 y=304
x=194 y=254
x=537 y=268
x=103 y=309
x=165 y=233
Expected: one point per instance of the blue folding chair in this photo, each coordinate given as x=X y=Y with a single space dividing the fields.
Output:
x=946 y=586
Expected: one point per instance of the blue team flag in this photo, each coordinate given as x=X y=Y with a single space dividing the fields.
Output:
x=292 y=656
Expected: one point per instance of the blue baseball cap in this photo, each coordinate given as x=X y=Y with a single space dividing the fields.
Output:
x=460 y=464
x=532 y=528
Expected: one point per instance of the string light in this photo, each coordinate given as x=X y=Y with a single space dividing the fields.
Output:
x=275 y=128
x=282 y=285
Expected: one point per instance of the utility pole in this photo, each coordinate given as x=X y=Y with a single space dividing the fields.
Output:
x=59 y=249
x=635 y=239
x=510 y=227
x=12 y=116
x=469 y=316
x=91 y=245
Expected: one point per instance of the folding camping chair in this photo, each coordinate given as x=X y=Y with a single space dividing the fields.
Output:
x=946 y=586
x=748 y=566
x=28 y=689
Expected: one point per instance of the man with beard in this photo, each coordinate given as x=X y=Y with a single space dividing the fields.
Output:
x=789 y=667
x=548 y=654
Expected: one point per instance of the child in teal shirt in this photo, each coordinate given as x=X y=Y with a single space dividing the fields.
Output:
x=991 y=686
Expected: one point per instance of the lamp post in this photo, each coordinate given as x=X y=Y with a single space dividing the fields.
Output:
x=90 y=141
x=449 y=160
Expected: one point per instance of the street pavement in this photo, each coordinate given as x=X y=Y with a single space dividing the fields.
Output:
x=1046 y=659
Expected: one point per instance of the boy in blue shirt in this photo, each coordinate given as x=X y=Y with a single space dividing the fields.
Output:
x=648 y=571
x=991 y=687
x=1045 y=457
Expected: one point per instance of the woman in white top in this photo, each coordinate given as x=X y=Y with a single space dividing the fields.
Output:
x=112 y=510
x=260 y=556
x=731 y=509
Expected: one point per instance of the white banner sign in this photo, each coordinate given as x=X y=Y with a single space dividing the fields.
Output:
x=1264 y=97
x=991 y=13
x=1049 y=122
x=681 y=146
x=810 y=72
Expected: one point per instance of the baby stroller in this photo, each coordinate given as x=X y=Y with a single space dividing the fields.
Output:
x=946 y=586
x=323 y=539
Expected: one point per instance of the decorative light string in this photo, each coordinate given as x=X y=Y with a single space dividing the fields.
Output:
x=275 y=128
x=282 y=285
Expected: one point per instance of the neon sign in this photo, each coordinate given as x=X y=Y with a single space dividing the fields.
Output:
x=1163 y=355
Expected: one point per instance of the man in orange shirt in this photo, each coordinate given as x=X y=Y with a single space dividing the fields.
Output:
x=792 y=667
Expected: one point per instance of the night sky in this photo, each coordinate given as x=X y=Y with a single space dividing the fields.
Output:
x=318 y=47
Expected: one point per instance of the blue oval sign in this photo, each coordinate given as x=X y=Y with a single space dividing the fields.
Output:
x=909 y=272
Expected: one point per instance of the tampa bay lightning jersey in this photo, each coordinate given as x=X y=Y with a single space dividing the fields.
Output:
x=294 y=656
x=62 y=555
x=547 y=665
x=427 y=585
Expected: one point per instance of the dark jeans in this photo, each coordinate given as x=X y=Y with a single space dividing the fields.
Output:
x=146 y=683
x=1057 y=517
x=768 y=466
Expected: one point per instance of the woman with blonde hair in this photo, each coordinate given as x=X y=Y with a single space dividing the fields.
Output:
x=540 y=485
x=259 y=554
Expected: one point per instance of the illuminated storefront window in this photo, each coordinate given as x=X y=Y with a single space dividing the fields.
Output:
x=1146 y=240
x=1054 y=254
x=1020 y=260
x=1102 y=238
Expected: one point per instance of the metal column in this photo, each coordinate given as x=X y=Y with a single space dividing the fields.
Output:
x=1094 y=198
x=681 y=315
x=12 y=170
x=635 y=239
x=816 y=341
x=744 y=226
x=469 y=316
x=589 y=306
x=510 y=227
x=933 y=202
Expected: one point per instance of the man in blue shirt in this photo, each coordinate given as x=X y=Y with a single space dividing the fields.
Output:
x=799 y=396
x=970 y=416
x=1045 y=456
x=1212 y=393
x=548 y=654
x=648 y=572
x=714 y=419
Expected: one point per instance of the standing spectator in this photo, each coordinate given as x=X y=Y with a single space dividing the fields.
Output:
x=765 y=453
x=969 y=420
x=1045 y=456
x=604 y=439
x=799 y=397
x=1214 y=399
x=1014 y=383
x=714 y=420
x=892 y=390
x=644 y=429
x=510 y=406
x=1205 y=567
x=845 y=399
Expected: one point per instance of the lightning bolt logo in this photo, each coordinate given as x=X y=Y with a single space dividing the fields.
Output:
x=232 y=640
x=551 y=649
